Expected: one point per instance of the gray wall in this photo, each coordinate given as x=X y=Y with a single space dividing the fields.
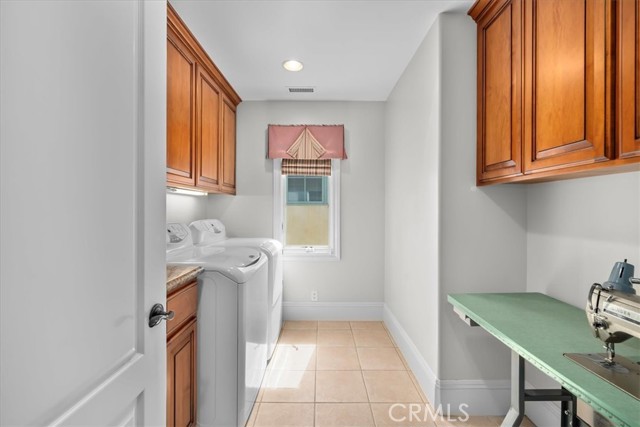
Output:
x=482 y=229
x=186 y=209
x=412 y=153
x=359 y=275
x=444 y=235
x=576 y=230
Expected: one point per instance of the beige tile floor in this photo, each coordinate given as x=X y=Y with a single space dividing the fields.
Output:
x=344 y=374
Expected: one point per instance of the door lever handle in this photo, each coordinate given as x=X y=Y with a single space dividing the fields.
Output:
x=158 y=314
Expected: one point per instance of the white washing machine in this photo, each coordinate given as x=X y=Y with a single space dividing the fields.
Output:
x=208 y=232
x=232 y=338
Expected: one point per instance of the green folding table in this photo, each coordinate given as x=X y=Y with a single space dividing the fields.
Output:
x=540 y=329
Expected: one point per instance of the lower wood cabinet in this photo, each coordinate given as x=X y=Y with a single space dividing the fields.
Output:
x=182 y=388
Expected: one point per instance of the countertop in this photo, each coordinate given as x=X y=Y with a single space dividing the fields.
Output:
x=180 y=275
x=541 y=329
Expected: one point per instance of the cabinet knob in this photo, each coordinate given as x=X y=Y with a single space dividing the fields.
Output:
x=158 y=314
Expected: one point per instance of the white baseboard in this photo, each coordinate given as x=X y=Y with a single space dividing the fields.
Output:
x=421 y=370
x=543 y=414
x=481 y=397
x=332 y=310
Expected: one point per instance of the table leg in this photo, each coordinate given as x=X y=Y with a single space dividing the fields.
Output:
x=516 y=412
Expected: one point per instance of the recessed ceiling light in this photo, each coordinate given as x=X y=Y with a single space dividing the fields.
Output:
x=292 y=65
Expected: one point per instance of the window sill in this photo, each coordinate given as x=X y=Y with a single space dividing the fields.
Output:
x=310 y=257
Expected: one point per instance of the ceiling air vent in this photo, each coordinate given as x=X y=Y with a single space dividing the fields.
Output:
x=301 y=90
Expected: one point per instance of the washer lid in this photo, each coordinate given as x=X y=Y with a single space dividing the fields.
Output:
x=269 y=246
x=192 y=254
x=224 y=257
x=237 y=263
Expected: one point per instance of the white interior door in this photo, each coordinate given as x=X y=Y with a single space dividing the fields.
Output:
x=82 y=131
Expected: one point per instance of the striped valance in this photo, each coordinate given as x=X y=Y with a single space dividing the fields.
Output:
x=320 y=167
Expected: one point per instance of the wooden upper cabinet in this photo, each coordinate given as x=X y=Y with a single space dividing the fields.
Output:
x=500 y=91
x=201 y=125
x=628 y=106
x=565 y=108
x=228 y=163
x=558 y=88
x=181 y=148
x=208 y=131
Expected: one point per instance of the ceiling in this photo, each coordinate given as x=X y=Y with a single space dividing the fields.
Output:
x=352 y=50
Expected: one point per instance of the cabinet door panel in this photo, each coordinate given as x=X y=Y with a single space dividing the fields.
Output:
x=636 y=39
x=499 y=95
x=565 y=105
x=181 y=66
x=560 y=86
x=184 y=304
x=181 y=378
x=629 y=80
x=229 y=147
x=208 y=131
x=498 y=89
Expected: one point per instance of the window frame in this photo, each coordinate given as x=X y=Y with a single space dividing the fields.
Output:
x=308 y=253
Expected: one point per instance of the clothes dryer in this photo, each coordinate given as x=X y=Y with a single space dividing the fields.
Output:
x=210 y=232
x=231 y=333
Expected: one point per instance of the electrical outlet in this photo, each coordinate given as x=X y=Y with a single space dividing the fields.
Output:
x=314 y=295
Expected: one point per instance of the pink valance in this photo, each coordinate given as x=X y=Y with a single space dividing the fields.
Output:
x=306 y=142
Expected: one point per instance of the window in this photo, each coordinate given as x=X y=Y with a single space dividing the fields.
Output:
x=306 y=190
x=306 y=213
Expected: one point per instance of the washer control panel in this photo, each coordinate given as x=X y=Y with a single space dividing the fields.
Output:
x=208 y=231
x=176 y=233
x=178 y=236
